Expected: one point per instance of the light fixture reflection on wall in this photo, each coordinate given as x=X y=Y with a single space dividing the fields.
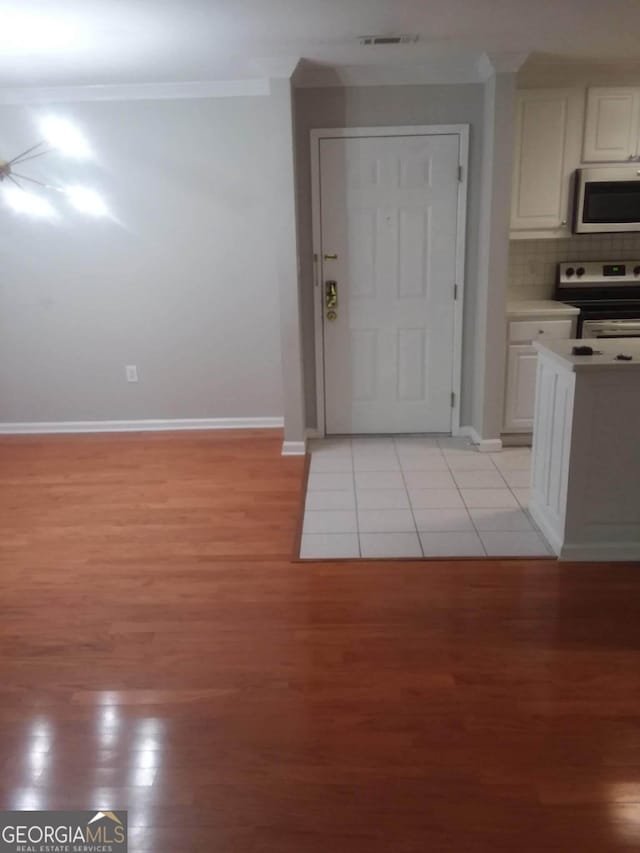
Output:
x=25 y=202
x=60 y=136
x=65 y=137
x=86 y=201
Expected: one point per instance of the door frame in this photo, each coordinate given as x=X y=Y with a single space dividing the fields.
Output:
x=462 y=132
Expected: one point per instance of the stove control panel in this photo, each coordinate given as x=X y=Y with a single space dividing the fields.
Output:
x=598 y=273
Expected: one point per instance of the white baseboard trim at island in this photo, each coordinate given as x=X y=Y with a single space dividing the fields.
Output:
x=602 y=552
x=548 y=530
x=146 y=425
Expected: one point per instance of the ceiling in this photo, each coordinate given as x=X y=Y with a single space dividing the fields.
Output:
x=83 y=42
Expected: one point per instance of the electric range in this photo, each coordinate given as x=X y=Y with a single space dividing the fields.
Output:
x=607 y=294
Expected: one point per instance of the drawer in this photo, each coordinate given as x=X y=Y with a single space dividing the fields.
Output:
x=523 y=331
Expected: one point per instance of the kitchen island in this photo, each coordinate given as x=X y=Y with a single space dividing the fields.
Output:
x=585 y=489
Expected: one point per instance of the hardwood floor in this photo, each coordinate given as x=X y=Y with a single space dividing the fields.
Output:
x=160 y=652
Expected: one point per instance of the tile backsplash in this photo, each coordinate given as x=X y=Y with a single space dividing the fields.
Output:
x=533 y=263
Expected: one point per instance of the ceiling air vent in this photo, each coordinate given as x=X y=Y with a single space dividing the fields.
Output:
x=387 y=39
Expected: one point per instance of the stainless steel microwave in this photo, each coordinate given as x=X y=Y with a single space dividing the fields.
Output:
x=607 y=198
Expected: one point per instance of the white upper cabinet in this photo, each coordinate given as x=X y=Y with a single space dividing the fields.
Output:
x=548 y=139
x=612 y=127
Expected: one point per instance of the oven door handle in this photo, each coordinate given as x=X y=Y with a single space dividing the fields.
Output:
x=619 y=326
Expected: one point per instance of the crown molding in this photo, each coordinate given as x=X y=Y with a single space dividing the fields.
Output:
x=136 y=91
x=500 y=63
x=441 y=71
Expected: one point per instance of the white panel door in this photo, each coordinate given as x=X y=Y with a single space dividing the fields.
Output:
x=611 y=128
x=388 y=225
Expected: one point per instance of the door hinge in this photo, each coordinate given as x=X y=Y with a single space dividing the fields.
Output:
x=459 y=173
x=453 y=400
x=455 y=292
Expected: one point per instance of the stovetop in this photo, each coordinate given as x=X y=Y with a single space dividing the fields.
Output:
x=601 y=283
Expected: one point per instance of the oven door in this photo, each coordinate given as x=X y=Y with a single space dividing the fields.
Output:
x=627 y=328
x=607 y=199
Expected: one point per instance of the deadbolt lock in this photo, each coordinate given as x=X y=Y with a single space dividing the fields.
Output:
x=331 y=294
x=332 y=315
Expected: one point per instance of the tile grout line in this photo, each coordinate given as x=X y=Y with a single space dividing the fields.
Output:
x=406 y=490
x=464 y=503
x=334 y=533
x=535 y=527
x=355 y=497
x=388 y=532
x=378 y=489
x=524 y=510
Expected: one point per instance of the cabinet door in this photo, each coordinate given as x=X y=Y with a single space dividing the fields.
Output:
x=548 y=137
x=521 y=388
x=611 y=127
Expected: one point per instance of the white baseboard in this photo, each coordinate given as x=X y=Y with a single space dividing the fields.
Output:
x=516 y=439
x=549 y=532
x=299 y=448
x=153 y=425
x=294 y=448
x=581 y=551
x=484 y=445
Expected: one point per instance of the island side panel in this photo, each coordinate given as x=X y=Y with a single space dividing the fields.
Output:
x=552 y=437
x=603 y=505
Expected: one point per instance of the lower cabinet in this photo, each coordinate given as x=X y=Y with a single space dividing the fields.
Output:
x=520 y=394
x=522 y=360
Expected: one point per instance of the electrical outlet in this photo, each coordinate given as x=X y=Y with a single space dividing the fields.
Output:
x=132 y=372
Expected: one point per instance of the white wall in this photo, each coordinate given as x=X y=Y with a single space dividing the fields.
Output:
x=370 y=106
x=181 y=282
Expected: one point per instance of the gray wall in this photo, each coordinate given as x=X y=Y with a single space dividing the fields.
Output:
x=284 y=222
x=182 y=281
x=493 y=258
x=388 y=106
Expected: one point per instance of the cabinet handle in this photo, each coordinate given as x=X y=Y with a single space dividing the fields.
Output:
x=564 y=222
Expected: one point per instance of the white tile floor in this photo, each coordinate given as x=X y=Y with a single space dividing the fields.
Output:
x=415 y=497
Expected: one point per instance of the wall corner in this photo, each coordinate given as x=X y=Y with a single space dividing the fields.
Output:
x=285 y=224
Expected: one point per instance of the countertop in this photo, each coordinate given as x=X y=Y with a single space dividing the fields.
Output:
x=539 y=308
x=560 y=351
